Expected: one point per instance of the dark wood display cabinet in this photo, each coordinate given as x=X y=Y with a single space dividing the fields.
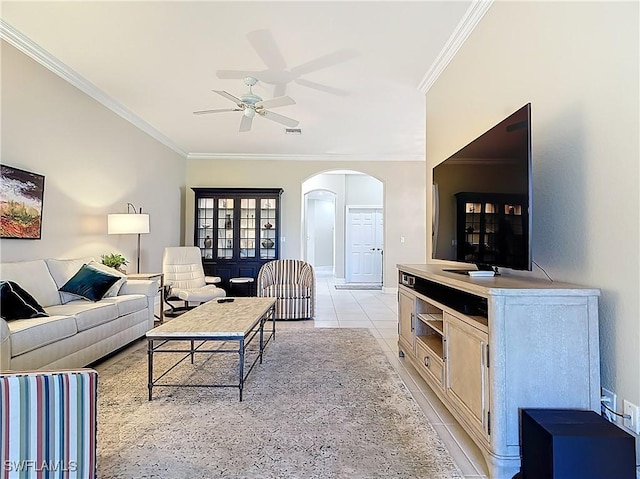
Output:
x=491 y=228
x=237 y=230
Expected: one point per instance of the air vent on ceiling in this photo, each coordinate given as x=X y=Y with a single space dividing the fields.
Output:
x=293 y=131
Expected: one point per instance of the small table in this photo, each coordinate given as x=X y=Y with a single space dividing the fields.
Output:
x=241 y=320
x=248 y=282
x=159 y=276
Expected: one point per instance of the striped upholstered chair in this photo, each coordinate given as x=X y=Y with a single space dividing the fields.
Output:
x=48 y=424
x=293 y=283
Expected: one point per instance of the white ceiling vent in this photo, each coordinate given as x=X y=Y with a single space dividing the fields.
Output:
x=293 y=131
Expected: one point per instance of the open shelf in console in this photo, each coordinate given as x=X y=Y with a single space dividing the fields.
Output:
x=430 y=326
x=461 y=301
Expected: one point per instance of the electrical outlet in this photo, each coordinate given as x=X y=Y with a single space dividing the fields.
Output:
x=631 y=422
x=608 y=398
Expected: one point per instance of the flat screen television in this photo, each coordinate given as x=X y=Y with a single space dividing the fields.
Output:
x=482 y=199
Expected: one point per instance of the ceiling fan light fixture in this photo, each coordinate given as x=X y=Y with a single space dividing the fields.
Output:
x=251 y=104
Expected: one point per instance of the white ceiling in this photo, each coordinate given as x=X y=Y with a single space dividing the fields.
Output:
x=157 y=62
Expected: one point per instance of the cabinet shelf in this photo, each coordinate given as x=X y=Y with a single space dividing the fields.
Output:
x=434 y=343
x=433 y=321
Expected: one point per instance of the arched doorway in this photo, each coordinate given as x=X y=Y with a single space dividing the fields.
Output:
x=357 y=232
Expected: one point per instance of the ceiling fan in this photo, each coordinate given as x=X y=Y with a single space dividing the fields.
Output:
x=277 y=73
x=251 y=105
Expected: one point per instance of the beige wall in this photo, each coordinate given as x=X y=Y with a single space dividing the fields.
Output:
x=577 y=63
x=404 y=202
x=94 y=162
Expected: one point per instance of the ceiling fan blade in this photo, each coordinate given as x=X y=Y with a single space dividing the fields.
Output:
x=229 y=96
x=234 y=74
x=324 y=61
x=265 y=46
x=284 y=120
x=205 y=112
x=280 y=89
x=276 y=102
x=245 y=123
x=320 y=87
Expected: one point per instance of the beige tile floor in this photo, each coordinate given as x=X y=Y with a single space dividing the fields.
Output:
x=377 y=311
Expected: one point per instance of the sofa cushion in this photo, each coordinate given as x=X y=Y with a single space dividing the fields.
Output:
x=16 y=303
x=128 y=303
x=87 y=315
x=62 y=270
x=90 y=283
x=115 y=289
x=30 y=334
x=33 y=276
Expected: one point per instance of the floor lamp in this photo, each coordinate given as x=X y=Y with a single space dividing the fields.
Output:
x=129 y=223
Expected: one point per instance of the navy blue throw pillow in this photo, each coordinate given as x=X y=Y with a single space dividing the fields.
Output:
x=89 y=283
x=16 y=303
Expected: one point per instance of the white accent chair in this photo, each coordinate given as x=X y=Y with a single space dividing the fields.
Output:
x=185 y=280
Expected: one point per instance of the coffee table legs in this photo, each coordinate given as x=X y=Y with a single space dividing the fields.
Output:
x=150 y=362
x=241 y=366
x=242 y=344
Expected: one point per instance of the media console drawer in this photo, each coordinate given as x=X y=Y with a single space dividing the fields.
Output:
x=430 y=362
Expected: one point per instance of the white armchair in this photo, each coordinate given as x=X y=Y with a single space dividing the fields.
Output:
x=185 y=279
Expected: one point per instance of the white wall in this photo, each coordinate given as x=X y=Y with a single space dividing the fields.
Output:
x=94 y=162
x=336 y=183
x=321 y=220
x=362 y=190
x=404 y=202
x=577 y=63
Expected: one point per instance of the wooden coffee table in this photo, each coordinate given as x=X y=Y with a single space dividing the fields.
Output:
x=241 y=320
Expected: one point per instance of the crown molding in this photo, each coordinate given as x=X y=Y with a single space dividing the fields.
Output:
x=295 y=157
x=471 y=18
x=27 y=46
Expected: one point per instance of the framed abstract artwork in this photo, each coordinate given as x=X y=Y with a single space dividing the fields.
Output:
x=21 y=200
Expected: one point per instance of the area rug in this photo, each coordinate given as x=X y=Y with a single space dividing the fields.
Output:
x=357 y=286
x=325 y=403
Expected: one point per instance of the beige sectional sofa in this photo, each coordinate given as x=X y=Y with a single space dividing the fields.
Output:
x=77 y=332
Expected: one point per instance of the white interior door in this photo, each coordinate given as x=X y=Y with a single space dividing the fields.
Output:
x=364 y=245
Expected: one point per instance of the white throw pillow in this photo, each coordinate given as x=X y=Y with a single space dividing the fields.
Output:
x=115 y=289
x=62 y=270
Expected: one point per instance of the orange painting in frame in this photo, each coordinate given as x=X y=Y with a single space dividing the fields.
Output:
x=21 y=200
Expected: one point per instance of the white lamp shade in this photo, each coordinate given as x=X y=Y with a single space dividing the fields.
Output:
x=127 y=223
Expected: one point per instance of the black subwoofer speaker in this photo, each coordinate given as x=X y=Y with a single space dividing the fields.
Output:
x=573 y=444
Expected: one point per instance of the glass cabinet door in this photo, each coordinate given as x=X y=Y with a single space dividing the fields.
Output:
x=247 y=228
x=204 y=225
x=225 y=228
x=267 y=228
